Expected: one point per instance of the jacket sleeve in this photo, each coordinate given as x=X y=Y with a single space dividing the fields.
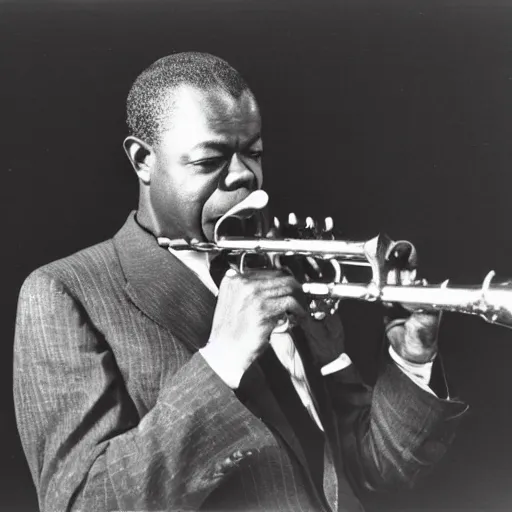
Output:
x=394 y=433
x=86 y=446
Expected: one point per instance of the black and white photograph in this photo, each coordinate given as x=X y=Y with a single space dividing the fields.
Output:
x=258 y=255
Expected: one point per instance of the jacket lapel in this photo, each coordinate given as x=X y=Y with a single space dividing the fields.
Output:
x=256 y=395
x=172 y=295
x=162 y=287
x=169 y=293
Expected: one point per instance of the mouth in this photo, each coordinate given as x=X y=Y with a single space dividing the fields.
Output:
x=242 y=216
x=249 y=226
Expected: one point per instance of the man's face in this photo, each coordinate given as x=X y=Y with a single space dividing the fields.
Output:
x=207 y=160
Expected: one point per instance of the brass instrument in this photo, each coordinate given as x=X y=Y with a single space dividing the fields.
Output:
x=392 y=264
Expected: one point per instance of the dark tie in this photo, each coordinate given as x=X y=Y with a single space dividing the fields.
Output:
x=309 y=435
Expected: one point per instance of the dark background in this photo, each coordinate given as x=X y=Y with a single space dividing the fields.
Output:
x=390 y=116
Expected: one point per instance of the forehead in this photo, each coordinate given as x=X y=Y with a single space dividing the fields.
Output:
x=199 y=115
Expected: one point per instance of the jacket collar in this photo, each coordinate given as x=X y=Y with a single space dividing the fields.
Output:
x=162 y=287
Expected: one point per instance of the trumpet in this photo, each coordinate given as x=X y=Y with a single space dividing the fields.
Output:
x=393 y=266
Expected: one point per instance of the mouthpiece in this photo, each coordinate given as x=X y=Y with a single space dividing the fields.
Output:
x=256 y=200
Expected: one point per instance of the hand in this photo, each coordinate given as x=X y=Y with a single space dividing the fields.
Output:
x=249 y=307
x=327 y=338
x=415 y=339
x=326 y=335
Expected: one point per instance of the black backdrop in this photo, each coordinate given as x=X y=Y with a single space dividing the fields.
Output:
x=390 y=116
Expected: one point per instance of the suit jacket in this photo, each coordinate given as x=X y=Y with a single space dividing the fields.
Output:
x=117 y=410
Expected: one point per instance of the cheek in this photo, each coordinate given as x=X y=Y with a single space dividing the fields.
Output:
x=180 y=190
x=209 y=206
x=258 y=174
x=166 y=194
x=196 y=202
x=179 y=196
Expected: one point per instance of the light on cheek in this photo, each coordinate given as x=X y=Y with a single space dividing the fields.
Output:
x=258 y=173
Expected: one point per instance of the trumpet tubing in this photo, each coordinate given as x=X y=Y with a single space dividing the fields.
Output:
x=393 y=266
x=493 y=304
x=326 y=249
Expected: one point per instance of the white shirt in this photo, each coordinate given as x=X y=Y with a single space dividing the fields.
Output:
x=284 y=348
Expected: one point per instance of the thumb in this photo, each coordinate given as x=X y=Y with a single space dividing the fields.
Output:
x=423 y=327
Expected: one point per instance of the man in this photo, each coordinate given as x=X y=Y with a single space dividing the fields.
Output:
x=142 y=385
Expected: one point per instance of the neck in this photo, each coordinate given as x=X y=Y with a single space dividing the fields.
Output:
x=146 y=218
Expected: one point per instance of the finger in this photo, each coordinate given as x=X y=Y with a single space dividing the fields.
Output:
x=328 y=228
x=407 y=277
x=287 y=305
x=264 y=275
x=273 y=232
x=291 y=228
x=310 y=228
x=231 y=272
x=269 y=284
x=426 y=319
x=271 y=296
x=280 y=287
x=319 y=269
x=295 y=264
x=396 y=334
x=425 y=332
x=403 y=255
x=313 y=267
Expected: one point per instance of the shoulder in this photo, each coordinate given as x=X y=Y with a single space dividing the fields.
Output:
x=92 y=268
x=58 y=306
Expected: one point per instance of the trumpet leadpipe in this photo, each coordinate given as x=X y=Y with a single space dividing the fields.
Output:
x=327 y=249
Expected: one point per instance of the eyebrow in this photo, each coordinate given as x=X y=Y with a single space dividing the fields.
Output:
x=220 y=146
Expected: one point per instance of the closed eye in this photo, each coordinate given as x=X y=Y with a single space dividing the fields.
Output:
x=210 y=163
x=256 y=154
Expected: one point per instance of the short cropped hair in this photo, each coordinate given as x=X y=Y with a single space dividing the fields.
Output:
x=149 y=103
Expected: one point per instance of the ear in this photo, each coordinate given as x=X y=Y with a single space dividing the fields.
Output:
x=141 y=156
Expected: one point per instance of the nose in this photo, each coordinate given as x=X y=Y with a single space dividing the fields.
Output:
x=240 y=174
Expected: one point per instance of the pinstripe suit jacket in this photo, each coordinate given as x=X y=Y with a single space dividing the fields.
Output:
x=117 y=410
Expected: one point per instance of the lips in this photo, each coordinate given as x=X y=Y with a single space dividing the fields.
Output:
x=247 y=227
x=226 y=205
x=246 y=218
